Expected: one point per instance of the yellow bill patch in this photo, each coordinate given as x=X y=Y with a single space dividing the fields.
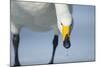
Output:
x=65 y=31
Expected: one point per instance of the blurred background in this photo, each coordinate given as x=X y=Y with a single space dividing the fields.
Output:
x=36 y=47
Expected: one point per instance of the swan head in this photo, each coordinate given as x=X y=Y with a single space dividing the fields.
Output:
x=65 y=26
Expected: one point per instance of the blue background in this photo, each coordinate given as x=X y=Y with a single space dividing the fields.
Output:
x=36 y=47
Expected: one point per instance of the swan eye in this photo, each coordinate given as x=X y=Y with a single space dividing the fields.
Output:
x=61 y=24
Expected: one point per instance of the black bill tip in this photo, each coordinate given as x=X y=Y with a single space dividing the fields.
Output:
x=66 y=43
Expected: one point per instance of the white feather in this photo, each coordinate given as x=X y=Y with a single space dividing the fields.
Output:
x=38 y=16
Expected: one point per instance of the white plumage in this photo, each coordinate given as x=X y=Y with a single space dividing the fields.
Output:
x=36 y=16
x=40 y=17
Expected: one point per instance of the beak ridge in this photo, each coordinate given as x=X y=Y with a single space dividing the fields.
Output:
x=65 y=32
x=66 y=36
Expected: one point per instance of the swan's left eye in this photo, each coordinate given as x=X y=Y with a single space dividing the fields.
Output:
x=61 y=24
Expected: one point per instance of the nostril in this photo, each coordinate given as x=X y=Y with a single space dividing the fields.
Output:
x=66 y=43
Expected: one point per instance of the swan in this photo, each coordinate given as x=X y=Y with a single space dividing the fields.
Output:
x=40 y=17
